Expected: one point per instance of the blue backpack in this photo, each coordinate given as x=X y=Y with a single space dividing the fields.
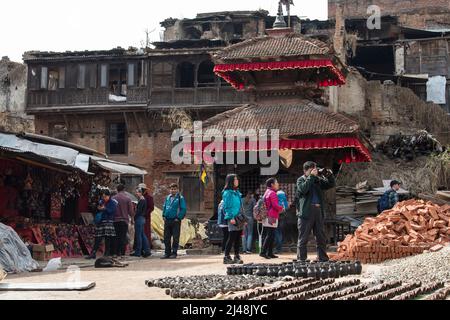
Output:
x=383 y=202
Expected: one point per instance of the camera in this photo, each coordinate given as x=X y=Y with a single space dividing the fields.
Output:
x=323 y=171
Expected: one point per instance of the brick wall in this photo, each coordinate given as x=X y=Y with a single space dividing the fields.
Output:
x=152 y=152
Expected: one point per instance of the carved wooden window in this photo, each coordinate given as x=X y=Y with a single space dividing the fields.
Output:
x=62 y=77
x=162 y=75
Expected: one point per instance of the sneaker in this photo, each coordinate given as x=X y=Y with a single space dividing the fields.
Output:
x=173 y=256
x=272 y=256
x=227 y=260
x=91 y=257
x=237 y=260
x=247 y=252
x=166 y=256
x=146 y=255
x=264 y=256
x=135 y=255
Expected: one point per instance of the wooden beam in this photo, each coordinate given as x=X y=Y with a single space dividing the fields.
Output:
x=126 y=123
x=80 y=128
x=37 y=164
x=137 y=124
x=67 y=125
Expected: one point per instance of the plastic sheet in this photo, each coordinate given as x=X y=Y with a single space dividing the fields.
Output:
x=14 y=255
x=187 y=233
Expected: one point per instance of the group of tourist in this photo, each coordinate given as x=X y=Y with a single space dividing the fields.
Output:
x=116 y=212
x=237 y=215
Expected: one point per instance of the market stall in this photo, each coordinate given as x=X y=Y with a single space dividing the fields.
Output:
x=46 y=185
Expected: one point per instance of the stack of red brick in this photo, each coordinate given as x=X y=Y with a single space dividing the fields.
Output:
x=409 y=228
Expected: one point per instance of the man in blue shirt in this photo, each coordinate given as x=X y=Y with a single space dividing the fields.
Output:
x=282 y=201
x=174 y=211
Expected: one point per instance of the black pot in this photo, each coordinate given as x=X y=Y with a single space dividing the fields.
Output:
x=229 y=270
x=358 y=267
x=304 y=272
x=297 y=272
x=324 y=272
x=311 y=272
x=261 y=271
x=281 y=272
x=343 y=270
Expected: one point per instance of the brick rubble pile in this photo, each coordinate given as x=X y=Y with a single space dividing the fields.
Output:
x=407 y=229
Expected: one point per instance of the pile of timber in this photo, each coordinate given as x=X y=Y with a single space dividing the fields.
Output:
x=356 y=201
x=407 y=229
x=410 y=147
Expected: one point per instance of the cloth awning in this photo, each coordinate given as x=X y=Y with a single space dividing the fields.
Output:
x=354 y=150
x=228 y=71
x=118 y=167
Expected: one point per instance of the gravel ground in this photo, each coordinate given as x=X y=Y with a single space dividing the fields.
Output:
x=426 y=267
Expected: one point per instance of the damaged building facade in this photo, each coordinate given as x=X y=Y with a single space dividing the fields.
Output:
x=13 y=84
x=127 y=103
x=410 y=46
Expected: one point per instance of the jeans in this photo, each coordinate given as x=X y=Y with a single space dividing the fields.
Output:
x=120 y=240
x=171 y=230
x=248 y=236
x=313 y=223
x=279 y=238
x=141 y=238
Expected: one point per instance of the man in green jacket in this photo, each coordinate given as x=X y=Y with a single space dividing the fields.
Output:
x=310 y=209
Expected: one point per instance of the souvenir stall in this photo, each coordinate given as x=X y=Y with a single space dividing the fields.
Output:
x=46 y=189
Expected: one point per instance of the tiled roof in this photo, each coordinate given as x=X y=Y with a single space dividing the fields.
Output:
x=304 y=119
x=290 y=45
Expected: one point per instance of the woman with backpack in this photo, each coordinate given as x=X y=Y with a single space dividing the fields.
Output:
x=232 y=207
x=270 y=224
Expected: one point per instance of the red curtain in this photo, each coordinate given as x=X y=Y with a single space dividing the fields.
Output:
x=226 y=70
x=356 y=151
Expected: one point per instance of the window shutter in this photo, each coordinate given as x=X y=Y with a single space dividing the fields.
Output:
x=81 y=83
x=130 y=75
x=103 y=75
x=62 y=77
x=44 y=77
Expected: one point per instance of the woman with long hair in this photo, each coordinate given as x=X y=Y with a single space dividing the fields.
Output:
x=232 y=204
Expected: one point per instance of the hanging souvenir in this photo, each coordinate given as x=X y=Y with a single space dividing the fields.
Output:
x=28 y=182
x=55 y=206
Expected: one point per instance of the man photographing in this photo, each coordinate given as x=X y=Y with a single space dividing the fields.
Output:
x=310 y=209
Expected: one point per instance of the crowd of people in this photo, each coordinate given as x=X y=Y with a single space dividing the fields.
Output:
x=237 y=215
x=116 y=212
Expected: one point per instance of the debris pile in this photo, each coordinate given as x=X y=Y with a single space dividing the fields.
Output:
x=407 y=229
x=410 y=147
x=426 y=267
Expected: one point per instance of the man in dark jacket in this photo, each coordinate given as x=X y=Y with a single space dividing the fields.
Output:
x=310 y=209
x=121 y=219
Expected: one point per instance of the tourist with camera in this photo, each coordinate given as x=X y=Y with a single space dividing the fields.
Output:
x=310 y=208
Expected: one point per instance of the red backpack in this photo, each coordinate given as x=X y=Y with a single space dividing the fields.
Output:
x=260 y=210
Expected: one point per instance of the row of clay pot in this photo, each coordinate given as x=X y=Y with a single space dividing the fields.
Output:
x=321 y=270
x=386 y=295
x=425 y=289
x=371 y=291
x=323 y=290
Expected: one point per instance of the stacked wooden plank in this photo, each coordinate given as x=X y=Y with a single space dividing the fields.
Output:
x=356 y=201
x=409 y=228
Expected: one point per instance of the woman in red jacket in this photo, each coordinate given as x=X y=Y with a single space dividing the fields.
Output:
x=270 y=224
